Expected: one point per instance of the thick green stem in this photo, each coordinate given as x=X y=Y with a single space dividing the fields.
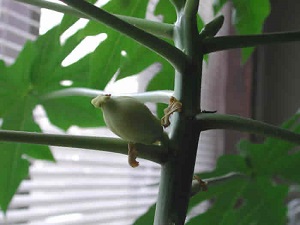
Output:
x=207 y=121
x=243 y=41
x=153 y=153
x=161 y=47
x=156 y=28
x=177 y=173
x=191 y=8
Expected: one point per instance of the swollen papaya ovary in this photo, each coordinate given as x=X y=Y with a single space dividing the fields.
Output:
x=129 y=119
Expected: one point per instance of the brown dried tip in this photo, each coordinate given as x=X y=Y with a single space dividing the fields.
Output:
x=132 y=155
x=174 y=106
x=202 y=184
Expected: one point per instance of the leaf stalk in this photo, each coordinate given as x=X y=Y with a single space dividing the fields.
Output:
x=150 y=96
x=153 y=153
x=162 y=30
x=221 y=43
x=208 y=121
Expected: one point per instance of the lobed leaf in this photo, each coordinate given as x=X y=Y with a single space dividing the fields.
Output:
x=13 y=167
x=147 y=218
x=249 y=19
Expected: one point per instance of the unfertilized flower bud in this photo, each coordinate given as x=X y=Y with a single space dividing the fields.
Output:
x=131 y=120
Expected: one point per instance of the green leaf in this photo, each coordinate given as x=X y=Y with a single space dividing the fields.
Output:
x=166 y=10
x=265 y=158
x=224 y=198
x=45 y=73
x=249 y=19
x=13 y=167
x=227 y=164
x=147 y=218
x=218 y=5
x=179 y=4
x=106 y=60
x=243 y=202
x=68 y=111
x=286 y=166
x=255 y=198
x=263 y=203
x=21 y=84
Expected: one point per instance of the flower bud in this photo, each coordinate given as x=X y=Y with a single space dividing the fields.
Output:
x=129 y=119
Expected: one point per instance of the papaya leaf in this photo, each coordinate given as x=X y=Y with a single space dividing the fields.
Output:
x=13 y=167
x=166 y=10
x=47 y=73
x=265 y=158
x=117 y=51
x=108 y=57
x=21 y=85
x=249 y=19
x=239 y=201
x=147 y=218
x=218 y=5
x=253 y=198
x=79 y=111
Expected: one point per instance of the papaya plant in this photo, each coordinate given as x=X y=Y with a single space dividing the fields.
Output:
x=179 y=43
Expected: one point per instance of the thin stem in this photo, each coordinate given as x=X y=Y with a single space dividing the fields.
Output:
x=176 y=57
x=243 y=41
x=215 y=181
x=163 y=30
x=53 y=6
x=208 y=121
x=150 y=96
x=153 y=153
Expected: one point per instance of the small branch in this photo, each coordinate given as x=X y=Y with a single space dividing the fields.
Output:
x=215 y=181
x=160 y=29
x=243 y=41
x=153 y=153
x=208 y=121
x=172 y=54
x=151 y=96
x=212 y=28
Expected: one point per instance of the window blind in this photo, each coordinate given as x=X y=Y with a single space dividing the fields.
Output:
x=18 y=23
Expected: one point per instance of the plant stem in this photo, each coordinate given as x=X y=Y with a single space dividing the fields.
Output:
x=177 y=173
x=153 y=153
x=156 y=28
x=150 y=96
x=207 y=121
x=191 y=7
x=215 y=181
x=176 y=57
x=243 y=41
